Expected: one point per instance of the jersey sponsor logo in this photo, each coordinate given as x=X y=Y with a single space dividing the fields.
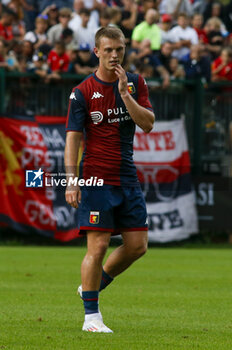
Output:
x=97 y=117
x=96 y=95
x=117 y=111
x=72 y=96
x=119 y=120
x=94 y=217
x=131 y=88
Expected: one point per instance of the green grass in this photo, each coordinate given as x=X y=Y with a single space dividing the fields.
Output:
x=173 y=298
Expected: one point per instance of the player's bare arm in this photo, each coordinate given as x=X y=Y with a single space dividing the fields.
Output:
x=73 y=140
x=141 y=116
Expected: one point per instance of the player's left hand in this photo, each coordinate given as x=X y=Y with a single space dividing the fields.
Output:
x=122 y=84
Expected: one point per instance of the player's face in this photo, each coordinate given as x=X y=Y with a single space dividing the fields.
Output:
x=110 y=52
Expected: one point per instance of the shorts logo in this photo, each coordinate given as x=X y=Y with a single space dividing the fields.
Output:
x=94 y=217
x=131 y=88
x=97 y=117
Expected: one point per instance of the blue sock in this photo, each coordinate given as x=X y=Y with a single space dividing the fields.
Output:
x=105 y=281
x=90 y=300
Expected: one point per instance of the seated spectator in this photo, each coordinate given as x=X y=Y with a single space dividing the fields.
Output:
x=175 y=69
x=214 y=9
x=75 y=22
x=6 y=22
x=85 y=34
x=85 y=61
x=222 y=66
x=15 y=47
x=165 y=26
x=131 y=16
x=69 y=40
x=40 y=65
x=58 y=60
x=196 y=65
x=197 y=23
x=11 y=61
x=53 y=15
x=175 y=7
x=215 y=37
x=18 y=25
x=115 y=16
x=94 y=7
x=162 y=63
x=183 y=37
x=25 y=58
x=30 y=12
x=55 y=32
x=163 y=57
x=104 y=18
x=146 y=70
x=146 y=36
x=38 y=37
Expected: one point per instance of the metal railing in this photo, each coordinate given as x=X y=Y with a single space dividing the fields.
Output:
x=207 y=110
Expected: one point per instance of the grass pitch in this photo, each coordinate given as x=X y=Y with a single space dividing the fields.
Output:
x=173 y=298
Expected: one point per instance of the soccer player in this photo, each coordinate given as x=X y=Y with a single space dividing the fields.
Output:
x=107 y=106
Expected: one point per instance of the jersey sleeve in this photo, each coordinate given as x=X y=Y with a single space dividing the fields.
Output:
x=76 y=111
x=143 y=99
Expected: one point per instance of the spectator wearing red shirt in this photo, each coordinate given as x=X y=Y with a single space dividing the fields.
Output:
x=197 y=23
x=222 y=66
x=6 y=30
x=58 y=60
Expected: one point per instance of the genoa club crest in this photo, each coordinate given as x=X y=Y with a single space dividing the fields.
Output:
x=131 y=88
x=94 y=217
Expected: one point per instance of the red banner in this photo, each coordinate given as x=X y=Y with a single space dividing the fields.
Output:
x=31 y=144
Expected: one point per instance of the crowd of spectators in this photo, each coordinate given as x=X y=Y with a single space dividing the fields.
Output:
x=170 y=39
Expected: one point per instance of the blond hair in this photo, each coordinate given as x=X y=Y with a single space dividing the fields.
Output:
x=216 y=22
x=108 y=32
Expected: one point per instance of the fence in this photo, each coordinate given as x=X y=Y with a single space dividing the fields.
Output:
x=207 y=111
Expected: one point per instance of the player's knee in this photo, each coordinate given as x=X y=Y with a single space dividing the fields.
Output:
x=139 y=249
x=99 y=250
x=142 y=249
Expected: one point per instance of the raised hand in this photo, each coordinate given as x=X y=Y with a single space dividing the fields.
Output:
x=122 y=84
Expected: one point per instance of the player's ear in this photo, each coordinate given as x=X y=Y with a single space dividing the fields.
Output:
x=95 y=50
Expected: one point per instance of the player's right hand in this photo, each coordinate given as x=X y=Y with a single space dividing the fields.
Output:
x=73 y=197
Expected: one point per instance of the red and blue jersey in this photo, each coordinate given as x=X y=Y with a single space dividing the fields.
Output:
x=97 y=109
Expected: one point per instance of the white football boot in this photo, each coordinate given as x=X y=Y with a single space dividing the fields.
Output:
x=94 y=323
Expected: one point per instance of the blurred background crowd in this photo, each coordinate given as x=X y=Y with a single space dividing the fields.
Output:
x=168 y=39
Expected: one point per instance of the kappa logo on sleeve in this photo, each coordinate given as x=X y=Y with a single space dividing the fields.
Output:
x=131 y=88
x=72 y=96
x=94 y=217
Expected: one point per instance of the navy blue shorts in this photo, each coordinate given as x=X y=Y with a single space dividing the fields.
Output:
x=112 y=209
